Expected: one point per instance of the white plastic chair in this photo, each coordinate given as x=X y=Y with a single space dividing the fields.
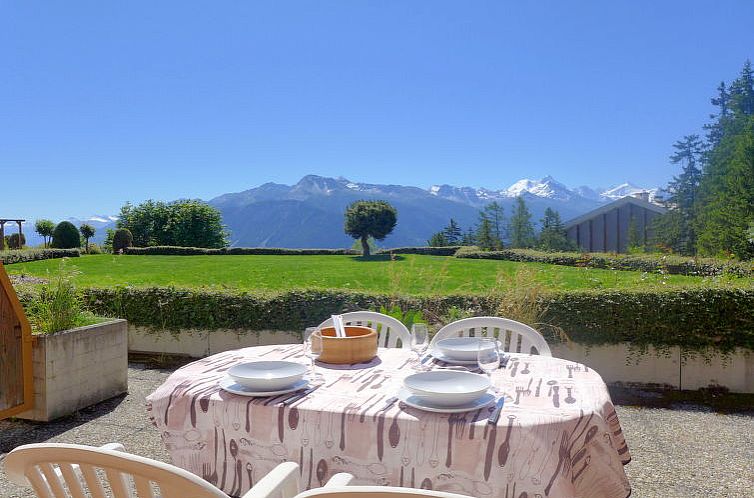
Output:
x=375 y=492
x=391 y=333
x=515 y=337
x=51 y=468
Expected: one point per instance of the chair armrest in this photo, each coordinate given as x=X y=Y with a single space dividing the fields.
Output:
x=340 y=479
x=281 y=482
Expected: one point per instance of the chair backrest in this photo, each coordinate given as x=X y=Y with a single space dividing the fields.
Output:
x=375 y=492
x=515 y=337
x=391 y=333
x=51 y=468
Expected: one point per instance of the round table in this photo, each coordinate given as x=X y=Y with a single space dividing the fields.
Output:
x=558 y=433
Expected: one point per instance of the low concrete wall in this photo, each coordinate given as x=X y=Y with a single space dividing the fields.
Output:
x=77 y=368
x=614 y=362
x=201 y=343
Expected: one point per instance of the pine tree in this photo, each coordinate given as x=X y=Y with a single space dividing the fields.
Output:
x=485 y=238
x=521 y=228
x=726 y=194
x=469 y=237
x=553 y=235
x=438 y=240
x=496 y=216
x=676 y=228
x=452 y=233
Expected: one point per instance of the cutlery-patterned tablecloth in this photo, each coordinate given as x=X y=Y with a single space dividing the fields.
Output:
x=558 y=434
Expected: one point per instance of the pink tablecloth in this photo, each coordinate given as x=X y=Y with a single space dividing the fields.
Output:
x=558 y=434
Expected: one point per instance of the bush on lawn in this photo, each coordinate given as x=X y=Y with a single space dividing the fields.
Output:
x=15 y=241
x=230 y=251
x=8 y=258
x=693 y=319
x=670 y=264
x=122 y=240
x=66 y=236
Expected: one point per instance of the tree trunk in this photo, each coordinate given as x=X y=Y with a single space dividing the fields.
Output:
x=365 y=246
x=86 y=245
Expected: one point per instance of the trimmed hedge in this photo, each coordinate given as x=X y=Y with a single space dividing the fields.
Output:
x=201 y=251
x=22 y=256
x=670 y=264
x=694 y=319
x=428 y=251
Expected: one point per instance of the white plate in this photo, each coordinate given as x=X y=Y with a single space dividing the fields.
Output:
x=228 y=384
x=406 y=397
x=443 y=357
x=267 y=375
x=461 y=348
x=447 y=387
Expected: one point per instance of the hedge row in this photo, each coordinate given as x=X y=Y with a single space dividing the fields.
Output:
x=694 y=319
x=428 y=251
x=24 y=255
x=670 y=264
x=201 y=251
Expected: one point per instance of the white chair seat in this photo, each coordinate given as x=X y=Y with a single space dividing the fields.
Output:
x=515 y=337
x=391 y=333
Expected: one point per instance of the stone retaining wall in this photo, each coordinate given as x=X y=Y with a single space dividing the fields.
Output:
x=614 y=362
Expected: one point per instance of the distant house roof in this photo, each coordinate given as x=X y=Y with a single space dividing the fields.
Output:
x=613 y=205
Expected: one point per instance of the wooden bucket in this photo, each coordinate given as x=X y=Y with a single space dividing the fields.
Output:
x=360 y=344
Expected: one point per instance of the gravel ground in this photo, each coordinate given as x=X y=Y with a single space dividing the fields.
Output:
x=682 y=451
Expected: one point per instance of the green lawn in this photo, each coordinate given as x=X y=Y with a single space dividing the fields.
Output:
x=408 y=274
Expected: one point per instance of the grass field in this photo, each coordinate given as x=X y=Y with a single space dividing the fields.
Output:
x=408 y=274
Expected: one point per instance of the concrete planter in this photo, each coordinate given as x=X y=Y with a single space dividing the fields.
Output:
x=77 y=368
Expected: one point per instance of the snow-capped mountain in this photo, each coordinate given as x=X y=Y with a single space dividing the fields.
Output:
x=625 y=189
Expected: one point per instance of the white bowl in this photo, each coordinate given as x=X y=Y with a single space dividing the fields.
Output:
x=460 y=348
x=267 y=375
x=447 y=387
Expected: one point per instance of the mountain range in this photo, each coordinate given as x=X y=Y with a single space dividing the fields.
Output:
x=309 y=214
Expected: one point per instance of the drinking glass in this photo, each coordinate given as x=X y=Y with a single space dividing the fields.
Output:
x=419 y=342
x=488 y=357
x=313 y=350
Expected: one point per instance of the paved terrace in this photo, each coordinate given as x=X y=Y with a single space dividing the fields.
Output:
x=680 y=450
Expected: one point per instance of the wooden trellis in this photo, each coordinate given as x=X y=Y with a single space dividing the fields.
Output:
x=16 y=381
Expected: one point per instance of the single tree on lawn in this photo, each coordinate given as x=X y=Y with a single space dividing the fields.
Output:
x=366 y=219
x=521 y=229
x=87 y=231
x=44 y=228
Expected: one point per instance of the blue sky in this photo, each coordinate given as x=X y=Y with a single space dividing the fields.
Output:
x=104 y=102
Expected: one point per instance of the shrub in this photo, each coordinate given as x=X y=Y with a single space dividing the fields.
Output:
x=15 y=241
x=8 y=258
x=57 y=305
x=693 y=319
x=654 y=263
x=122 y=239
x=95 y=249
x=66 y=236
x=429 y=251
x=230 y=251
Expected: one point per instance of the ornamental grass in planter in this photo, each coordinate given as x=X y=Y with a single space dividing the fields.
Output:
x=78 y=359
